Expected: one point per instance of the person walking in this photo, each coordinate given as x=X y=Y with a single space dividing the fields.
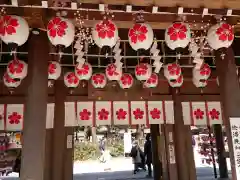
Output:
x=148 y=154
x=136 y=156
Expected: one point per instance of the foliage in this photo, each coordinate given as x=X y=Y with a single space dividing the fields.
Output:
x=85 y=150
x=88 y=151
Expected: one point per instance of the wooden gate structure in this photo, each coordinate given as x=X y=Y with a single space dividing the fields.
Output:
x=47 y=113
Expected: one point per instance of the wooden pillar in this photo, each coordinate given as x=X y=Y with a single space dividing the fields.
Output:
x=170 y=171
x=69 y=153
x=59 y=132
x=157 y=158
x=220 y=151
x=33 y=151
x=230 y=94
x=48 y=154
x=180 y=137
x=189 y=151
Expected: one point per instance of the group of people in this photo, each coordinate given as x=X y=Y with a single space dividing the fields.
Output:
x=142 y=158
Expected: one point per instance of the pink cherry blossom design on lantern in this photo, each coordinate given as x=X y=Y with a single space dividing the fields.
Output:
x=155 y=113
x=9 y=79
x=14 y=118
x=225 y=32
x=214 y=114
x=52 y=68
x=138 y=113
x=177 y=31
x=127 y=79
x=85 y=114
x=121 y=114
x=105 y=29
x=84 y=70
x=8 y=25
x=198 y=113
x=138 y=33
x=57 y=27
x=141 y=69
x=15 y=67
x=153 y=79
x=111 y=70
x=103 y=114
x=98 y=78
x=72 y=78
x=205 y=70
x=174 y=69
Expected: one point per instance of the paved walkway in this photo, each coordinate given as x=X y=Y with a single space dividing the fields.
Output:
x=120 y=169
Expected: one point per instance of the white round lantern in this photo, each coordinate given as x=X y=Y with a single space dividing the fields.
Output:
x=54 y=70
x=10 y=82
x=140 y=36
x=203 y=73
x=60 y=31
x=84 y=72
x=178 y=35
x=200 y=83
x=143 y=71
x=17 y=69
x=105 y=33
x=152 y=81
x=99 y=80
x=176 y=83
x=172 y=71
x=71 y=80
x=113 y=73
x=220 y=35
x=14 y=29
x=126 y=81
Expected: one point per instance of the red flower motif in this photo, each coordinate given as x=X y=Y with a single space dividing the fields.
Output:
x=52 y=68
x=155 y=113
x=205 y=70
x=174 y=69
x=9 y=79
x=178 y=80
x=141 y=69
x=57 y=27
x=111 y=70
x=138 y=33
x=225 y=32
x=105 y=29
x=8 y=25
x=72 y=78
x=103 y=114
x=177 y=31
x=153 y=79
x=1 y=117
x=198 y=114
x=85 y=114
x=15 y=66
x=138 y=113
x=214 y=114
x=84 y=70
x=126 y=79
x=14 y=118
x=98 y=78
x=121 y=114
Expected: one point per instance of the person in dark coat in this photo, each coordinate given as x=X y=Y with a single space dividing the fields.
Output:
x=148 y=154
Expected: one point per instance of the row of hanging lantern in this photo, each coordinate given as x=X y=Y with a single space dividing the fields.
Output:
x=14 y=31
x=61 y=31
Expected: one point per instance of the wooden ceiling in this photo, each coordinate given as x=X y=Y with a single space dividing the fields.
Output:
x=159 y=13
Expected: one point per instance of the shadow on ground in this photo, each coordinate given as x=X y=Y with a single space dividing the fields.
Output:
x=203 y=173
